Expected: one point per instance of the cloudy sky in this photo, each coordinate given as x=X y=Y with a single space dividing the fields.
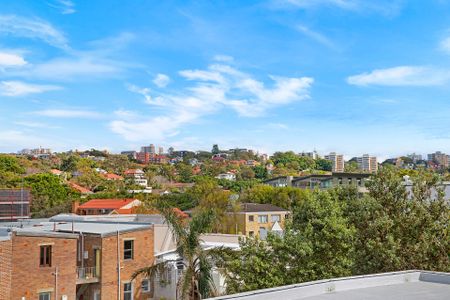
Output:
x=351 y=76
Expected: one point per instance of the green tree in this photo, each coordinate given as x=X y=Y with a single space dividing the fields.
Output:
x=323 y=164
x=185 y=172
x=10 y=171
x=260 y=172
x=196 y=281
x=48 y=192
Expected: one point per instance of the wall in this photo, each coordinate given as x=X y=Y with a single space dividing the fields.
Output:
x=5 y=269
x=28 y=278
x=143 y=257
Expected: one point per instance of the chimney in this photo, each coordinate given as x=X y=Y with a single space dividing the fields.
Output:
x=75 y=205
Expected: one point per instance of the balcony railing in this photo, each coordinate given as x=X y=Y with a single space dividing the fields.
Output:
x=88 y=274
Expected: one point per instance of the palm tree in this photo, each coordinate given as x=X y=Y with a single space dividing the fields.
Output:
x=196 y=281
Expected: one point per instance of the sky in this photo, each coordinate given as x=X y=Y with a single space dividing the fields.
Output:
x=350 y=76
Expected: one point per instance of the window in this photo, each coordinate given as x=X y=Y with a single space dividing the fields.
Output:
x=349 y=180
x=97 y=295
x=263 y=219
x=45 y=296
x=251 y=233
x=359 y=181
x=340 y=180
x=276 y=218
x=128 y=249
x=251 y=218
x=128 y=291
x=145 y=284
x=45 y=258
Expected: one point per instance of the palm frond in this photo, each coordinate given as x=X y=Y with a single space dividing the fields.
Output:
x=152 y=271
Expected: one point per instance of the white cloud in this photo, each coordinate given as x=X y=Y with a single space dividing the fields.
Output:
x=223 y=58
x=32 y=124
x=19 y=88
x=161 y=80
x=66 y=7
x=278 y=126
x=388 y=8
x=445 y=45
x=207 y=92
x=316 y=36
x=8 y=59
x=68 y=113
x=402 y=76
x=32 y=28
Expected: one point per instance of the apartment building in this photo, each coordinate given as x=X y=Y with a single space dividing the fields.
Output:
x=137 y=175
x=337 y=162
x=80 y=259
x=440 y=158
x=254 y=219
x=14 y=204
x=367 y=163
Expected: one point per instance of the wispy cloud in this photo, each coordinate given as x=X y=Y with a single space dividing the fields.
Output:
x=402 y=76
x=19 y=88
x=161 y=80
x=9 y=59
x=384 y=7
x=445 y=45
x=316 y=36
x=207 y=92
x=68 y=113
x=31 y=124
x=32 y=28
x=66 y=7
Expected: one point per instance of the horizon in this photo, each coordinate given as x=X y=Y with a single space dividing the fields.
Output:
x=273 y=75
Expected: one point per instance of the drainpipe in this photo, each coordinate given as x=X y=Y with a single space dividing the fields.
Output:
x=56 y=282
x=118 y=267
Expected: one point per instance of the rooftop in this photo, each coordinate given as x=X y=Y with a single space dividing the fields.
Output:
x=106 y=203
x=258 y=207
x=409 y=285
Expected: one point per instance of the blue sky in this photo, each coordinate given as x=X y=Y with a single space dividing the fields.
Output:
x=350 y=76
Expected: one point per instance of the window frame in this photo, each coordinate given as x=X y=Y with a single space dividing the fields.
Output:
x=45 y=256
x=126 y=255
x=149 y=288
x=48 y=296
x=128 y=292
x=251 y=218
x=263 y=216
x=276 y=215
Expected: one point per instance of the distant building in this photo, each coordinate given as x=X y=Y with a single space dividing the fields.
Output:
x=337 y=162
x=107 y=207
x=228 y=176
x=439 y=158
x=414 y=157
x=14 y=204
x=130 y=154
x=38 y=152
x=313 y=155
x=367 y=163
x=160 y=150
x=321 y=181
x=254 y=219
x=137 y=175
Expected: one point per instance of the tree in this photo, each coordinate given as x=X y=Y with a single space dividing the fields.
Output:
x=317 y=244
x=10 y=171
x=215 y=149
x=48 y=192
x=323 y=164
x=196 y=282
x=185 y=172
x=260 y=172
x=247 y=173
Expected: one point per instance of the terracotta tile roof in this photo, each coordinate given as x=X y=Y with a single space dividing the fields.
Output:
x=79 y=188
x=112 y=176
x=56 y=171
x=106 y=203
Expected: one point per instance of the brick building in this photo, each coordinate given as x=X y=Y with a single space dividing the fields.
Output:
x=14 y=204
x=75 y=260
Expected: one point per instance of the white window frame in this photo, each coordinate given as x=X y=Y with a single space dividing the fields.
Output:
x=273 y=221
x=149 y=287
x=45 y=294
x=260 y=219
x=132 y=249
x=130 y=291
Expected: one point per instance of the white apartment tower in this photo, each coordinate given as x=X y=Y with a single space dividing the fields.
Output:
x=367 y=163
x=337 y=162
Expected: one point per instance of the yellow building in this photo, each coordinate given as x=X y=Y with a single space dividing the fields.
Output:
x=254 y=219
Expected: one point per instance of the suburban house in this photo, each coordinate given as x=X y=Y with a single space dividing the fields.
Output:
x=228 y=176
x=107 y=207
x=79 y=188
x=137 y=175
x=321 y=181
x=255 y=219
x=79 y=259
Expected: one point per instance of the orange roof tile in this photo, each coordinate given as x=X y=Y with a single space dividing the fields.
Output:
x=106 y=203
x=79 y=188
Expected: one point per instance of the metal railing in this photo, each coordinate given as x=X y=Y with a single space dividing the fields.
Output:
x=87 y=273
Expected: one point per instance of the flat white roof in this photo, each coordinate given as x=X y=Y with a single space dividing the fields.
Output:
x=413 y=285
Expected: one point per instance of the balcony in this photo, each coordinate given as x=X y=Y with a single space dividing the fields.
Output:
x=88 y=275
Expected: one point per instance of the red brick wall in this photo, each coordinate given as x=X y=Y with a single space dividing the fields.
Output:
x=5 y=269
x=28 y=278
x=143 y=256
